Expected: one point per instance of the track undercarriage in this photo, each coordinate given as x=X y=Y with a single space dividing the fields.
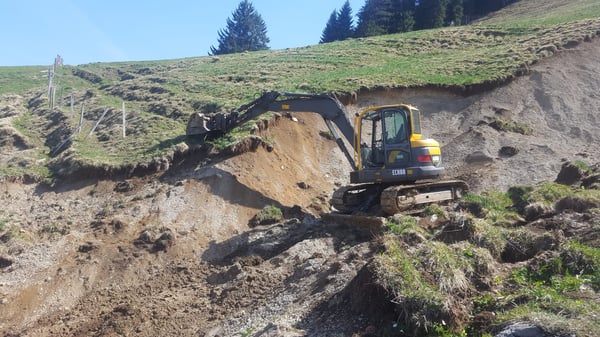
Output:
x=396 y=198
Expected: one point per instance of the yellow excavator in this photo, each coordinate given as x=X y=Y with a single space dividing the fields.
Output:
x=392 y=164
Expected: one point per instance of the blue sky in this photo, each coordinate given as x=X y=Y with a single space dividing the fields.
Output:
x=87 y=31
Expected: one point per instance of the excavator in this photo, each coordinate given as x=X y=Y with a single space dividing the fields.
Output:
x=392 y=164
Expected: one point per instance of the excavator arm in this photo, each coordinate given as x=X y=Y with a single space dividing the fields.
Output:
x=326 y=105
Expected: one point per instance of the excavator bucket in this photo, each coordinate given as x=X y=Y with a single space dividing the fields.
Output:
x=197 y=125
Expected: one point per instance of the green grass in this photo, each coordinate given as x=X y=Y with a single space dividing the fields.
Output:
x=546 y=13
x=402 y=224
x=549 y=193
x=492 y=205
x=556 y=289
x=560 y=293
x=20 y=80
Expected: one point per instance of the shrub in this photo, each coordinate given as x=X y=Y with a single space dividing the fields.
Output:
x=268 y=215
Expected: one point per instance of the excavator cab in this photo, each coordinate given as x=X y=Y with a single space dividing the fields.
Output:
x=385 y=138
x=391 y=149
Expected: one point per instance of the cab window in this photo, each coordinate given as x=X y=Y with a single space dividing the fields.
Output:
x=396 y=125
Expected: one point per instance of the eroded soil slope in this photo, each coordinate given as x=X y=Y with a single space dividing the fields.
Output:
x=558 y=100
x=173 y=254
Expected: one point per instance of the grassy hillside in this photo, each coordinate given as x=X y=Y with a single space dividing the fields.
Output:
x=159 y=95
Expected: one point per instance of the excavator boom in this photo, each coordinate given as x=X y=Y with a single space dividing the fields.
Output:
x=326 y=105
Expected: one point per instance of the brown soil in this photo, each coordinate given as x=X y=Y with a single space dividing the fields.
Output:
x=172 y=254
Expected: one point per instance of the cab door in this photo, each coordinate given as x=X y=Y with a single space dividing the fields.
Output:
x=396 y=138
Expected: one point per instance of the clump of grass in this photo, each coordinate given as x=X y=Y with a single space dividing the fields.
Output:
x=268 y=215
x=489 y=237
x=583 y=166
x=508 y=125
x=553 y=297
x=418 y=301
x=583 y=260
x=240 y=132
x=548 y=193
x=401 y=224
x=448 y=267
x=430 y=280
x=492 y=205
x=433 y=209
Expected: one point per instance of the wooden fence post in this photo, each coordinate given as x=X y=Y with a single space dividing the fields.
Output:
x=80 y=118
x=53 y=98
x=124 y=120
x=50 y=77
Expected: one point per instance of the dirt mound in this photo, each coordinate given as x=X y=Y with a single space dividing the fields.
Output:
x=172 y=253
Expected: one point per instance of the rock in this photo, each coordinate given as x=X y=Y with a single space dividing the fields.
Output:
x=522 y=329
x=124 y=186
x=303 y=185
x=569 y=174
x=164 y=241
x=576 y=203
x=117 y=225
x=508 y=151
x=146 y=236
x=5 y=262
x=478 y=157
x=272 y=330
x=592 y=181
x=537 y=211
x=87 y=247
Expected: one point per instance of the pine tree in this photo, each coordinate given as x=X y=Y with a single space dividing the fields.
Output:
x=455 y=12
x=339 y=26
x=329 y=33
x=403 y=19
x=245 y=31
x=344 y=22
x=431 y=13
x=374 y=18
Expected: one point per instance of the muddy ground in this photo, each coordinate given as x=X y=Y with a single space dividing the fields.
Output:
x=175 y=254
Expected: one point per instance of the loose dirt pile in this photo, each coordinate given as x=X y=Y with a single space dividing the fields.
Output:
x=173 y=253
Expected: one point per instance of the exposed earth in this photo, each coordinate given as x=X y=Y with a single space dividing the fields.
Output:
x=177 y=253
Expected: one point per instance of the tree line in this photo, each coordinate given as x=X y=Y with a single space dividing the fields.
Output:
x=247 y=31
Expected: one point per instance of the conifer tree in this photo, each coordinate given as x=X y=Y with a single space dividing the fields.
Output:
x=374 y=18
x=344 y=22
x=455 y=12
x=403 y=19
x=245 y=31
x=329 y=33
x=431 y=13
x=339 y=26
